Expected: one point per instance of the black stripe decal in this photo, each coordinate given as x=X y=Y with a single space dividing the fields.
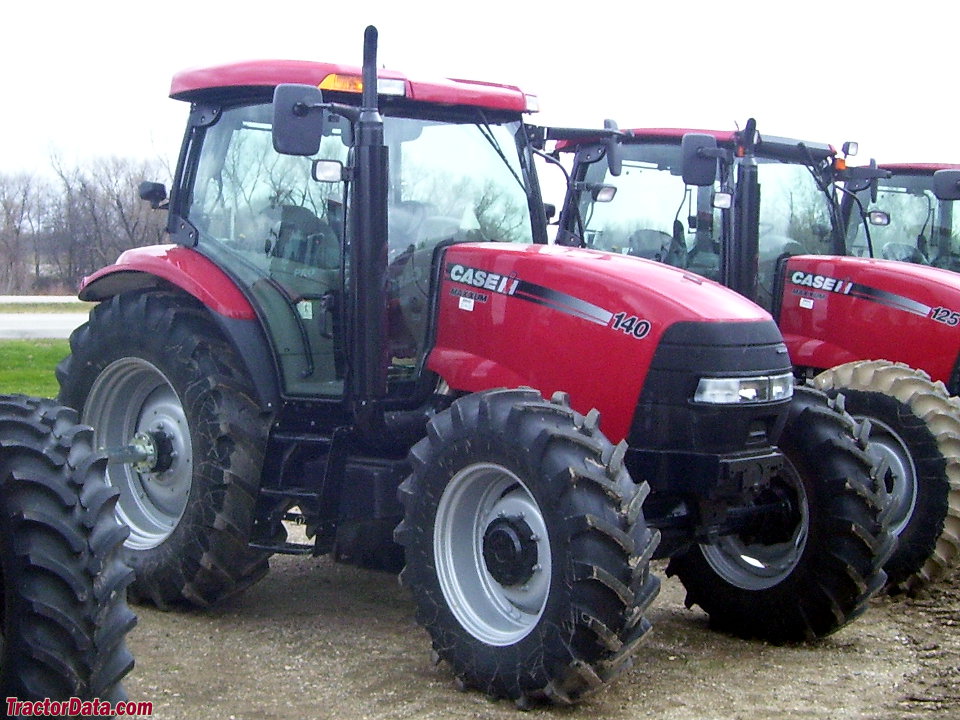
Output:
x=882 y=297
x=562 y=302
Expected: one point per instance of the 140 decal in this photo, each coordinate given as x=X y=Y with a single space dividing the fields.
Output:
x=631 y=325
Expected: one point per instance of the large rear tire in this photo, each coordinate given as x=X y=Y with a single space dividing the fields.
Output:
x=526 y=548
x=64 y=611
x=815 y=574
x=915 y=426
x=152 y=368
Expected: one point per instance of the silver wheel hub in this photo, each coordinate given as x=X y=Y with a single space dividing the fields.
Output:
x=492 y=553
x=901 y=481
x=132 y=404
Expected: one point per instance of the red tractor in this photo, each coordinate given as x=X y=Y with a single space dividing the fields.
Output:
x=882 y=333
x=64 y=616
x=355 y=329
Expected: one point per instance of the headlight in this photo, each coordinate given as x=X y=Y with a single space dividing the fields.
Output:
x=742 y=391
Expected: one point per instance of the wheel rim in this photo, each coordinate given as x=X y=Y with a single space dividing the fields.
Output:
x=901 y=481
x=498 y=597
x=130 y=397
x=758 y=566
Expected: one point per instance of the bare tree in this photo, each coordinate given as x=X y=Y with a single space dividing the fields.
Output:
x=99 y=214
x=19 y=203
x=53 y=231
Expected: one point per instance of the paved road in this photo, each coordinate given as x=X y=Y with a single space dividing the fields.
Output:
x=39 y=325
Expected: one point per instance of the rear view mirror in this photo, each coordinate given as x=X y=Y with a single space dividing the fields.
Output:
x=298 y=119
x=699 y=153
x=155 y=193
x=946 y=184
x=614 y=149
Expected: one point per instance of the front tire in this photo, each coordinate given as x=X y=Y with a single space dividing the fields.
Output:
x=152 y=368
x=526 y=548
x=915 y=426
x=64 y=611
x=816 y=574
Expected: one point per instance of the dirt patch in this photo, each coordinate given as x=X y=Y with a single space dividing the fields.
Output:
x=321 y=640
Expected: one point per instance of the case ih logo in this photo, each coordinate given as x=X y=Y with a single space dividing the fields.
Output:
x=821 y=282
x=547 y=297
x=503 y=284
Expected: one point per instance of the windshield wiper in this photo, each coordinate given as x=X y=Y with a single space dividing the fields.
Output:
x=487 y=133
x=836 y=221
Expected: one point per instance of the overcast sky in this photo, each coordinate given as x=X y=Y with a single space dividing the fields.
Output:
x=91 y=79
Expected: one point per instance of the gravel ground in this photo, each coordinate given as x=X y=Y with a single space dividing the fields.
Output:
x=320 y=640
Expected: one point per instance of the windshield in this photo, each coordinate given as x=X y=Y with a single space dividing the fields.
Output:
x=655 y=215
x=922 y=228
x=281 y=234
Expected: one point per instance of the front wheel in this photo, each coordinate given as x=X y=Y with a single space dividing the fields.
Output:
x=526 y=548
x=811 y=568
x=915 y=428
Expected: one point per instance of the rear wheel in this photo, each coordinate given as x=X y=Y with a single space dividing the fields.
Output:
x=526 y=549
x=64 y=611
x=915 y=428
x=150 y=369
x=814 y=570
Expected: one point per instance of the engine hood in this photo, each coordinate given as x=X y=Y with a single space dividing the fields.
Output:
x=580 y=321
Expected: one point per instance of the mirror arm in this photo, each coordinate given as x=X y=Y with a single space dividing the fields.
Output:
x=350 y=112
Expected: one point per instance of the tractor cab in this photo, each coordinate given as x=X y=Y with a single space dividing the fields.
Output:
x=904 y=217
x=656 y=208
x=275 y=223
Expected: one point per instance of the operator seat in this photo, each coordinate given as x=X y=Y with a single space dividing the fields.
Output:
x=903 y=252
x=305 y=238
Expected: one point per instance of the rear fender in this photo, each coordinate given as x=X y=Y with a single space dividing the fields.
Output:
x=164 y=265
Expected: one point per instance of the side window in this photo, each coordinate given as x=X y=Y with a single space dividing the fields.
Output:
x=263 y=217
x=912 y=226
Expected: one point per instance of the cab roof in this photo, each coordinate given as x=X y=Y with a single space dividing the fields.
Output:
x=770 y=145
x=233 y=78
x=917 y=168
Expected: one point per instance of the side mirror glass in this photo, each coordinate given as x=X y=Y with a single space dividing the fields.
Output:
x=946 y=184
x=699 y=159
x=722 y=200
x=329 y=171
x=298 y=119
